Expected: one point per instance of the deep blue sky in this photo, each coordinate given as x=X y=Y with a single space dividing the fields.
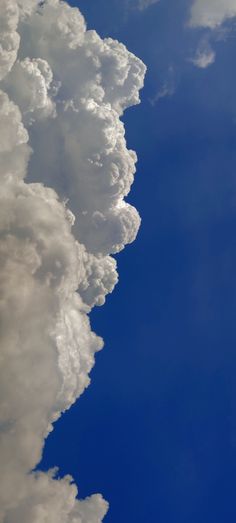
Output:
x=156 y=430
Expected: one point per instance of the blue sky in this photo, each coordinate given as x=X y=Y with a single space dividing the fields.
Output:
x=156 y=430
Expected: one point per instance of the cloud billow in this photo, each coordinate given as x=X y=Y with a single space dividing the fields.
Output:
x=65 y=172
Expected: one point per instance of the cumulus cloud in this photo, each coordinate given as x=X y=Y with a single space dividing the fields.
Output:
x=65 y=171
x=9 y=37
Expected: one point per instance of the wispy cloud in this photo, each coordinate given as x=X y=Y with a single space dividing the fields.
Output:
x=167 y=86
x=211 y=13
x=144 y=4
x=139 y=5
x=211 y=16
x=204 y=56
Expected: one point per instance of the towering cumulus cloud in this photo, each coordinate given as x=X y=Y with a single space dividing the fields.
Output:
x=65 y=171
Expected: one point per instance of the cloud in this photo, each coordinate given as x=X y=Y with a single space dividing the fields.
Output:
x=65 y=172
x=211 y=13
x=144 y=4
x=139 y=5
x=9 y=38
x=204 y=56
x=167 y=87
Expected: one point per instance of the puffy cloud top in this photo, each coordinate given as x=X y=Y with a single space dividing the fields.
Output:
x=62 y=91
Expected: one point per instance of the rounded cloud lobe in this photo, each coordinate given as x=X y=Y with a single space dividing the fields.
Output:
x=65 y=172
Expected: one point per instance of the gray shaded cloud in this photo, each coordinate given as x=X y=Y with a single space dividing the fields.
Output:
x=62 y=92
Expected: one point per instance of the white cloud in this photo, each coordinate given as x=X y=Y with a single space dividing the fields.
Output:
x=138 y=5
x=62 y=91
x=144 y=4
x=204 y=56
x=211 y=13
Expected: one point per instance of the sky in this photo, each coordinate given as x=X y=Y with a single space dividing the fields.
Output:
x=155 y=432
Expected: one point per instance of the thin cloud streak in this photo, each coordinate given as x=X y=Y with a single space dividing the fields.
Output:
x=167 y=87
x=139 y=5
x=144 y=4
